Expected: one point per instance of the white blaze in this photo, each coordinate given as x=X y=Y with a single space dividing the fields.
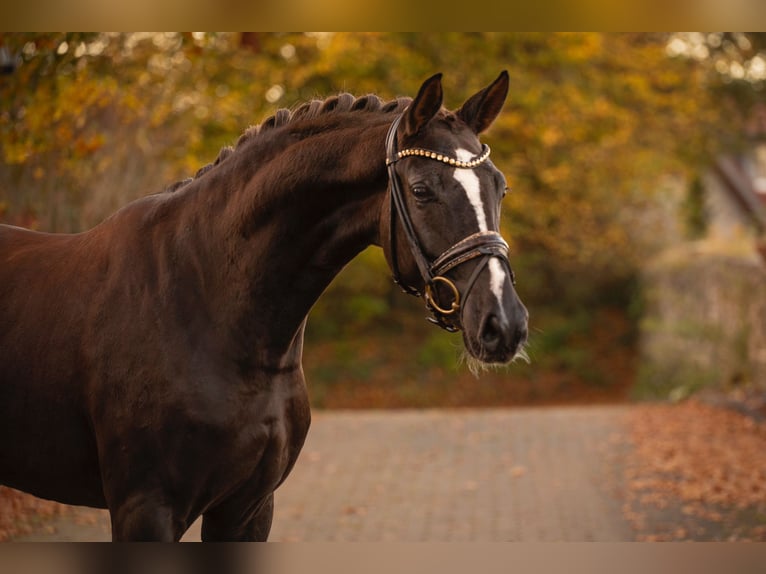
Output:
x=496 y=278
x=470 y=182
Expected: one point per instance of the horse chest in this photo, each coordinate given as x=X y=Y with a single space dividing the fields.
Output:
x=271 y=429
x=210 y=443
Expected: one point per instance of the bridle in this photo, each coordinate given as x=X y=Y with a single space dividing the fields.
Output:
x=484 y=244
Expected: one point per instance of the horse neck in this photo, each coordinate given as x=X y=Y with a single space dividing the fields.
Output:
x=290 y=228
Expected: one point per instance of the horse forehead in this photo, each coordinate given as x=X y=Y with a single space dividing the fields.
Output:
x=447 y=135
x=469 y=180
x=485 y=174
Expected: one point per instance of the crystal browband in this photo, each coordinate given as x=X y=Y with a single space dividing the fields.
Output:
x=441 y=157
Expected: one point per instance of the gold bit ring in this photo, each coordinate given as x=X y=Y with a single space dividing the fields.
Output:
x=432 y=302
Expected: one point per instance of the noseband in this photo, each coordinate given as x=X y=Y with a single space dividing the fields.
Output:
x=484 y=244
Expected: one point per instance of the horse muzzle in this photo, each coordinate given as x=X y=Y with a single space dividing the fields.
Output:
x=495 y=330
x=500 y=339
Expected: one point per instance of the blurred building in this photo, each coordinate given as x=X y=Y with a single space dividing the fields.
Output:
x=704 y=322
x=735 y=189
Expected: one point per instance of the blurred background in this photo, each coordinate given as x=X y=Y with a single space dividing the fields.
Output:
x=637 y=164
x=636 y=217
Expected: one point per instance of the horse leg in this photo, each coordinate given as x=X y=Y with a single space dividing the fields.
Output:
x=224 y=523
x=143 y=518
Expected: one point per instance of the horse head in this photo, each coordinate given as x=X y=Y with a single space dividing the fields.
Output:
x=442 y=234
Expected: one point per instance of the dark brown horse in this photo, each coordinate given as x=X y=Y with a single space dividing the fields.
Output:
x=152 y=365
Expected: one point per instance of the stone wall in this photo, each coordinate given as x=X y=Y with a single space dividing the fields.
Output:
x=704 y=322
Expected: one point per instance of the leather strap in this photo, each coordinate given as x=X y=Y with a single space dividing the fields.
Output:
x=398 y=205
x=476 y=245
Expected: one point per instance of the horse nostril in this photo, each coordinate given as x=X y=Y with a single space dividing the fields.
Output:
x=492 y=333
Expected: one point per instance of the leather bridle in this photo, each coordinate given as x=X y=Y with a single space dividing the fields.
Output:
x=483 y=244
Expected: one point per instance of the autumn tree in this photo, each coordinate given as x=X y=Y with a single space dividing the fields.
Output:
x=596 y=131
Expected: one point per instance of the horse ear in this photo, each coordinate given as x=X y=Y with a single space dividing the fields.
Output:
x=424 y=106
x=481 y=109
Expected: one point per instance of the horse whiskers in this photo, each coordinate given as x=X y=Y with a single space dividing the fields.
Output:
x=478 y=365
x=522 y=354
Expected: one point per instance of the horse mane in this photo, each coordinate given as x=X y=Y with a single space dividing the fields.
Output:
x=343 y=102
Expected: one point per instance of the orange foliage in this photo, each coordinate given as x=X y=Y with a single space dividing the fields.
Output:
x=704 y=463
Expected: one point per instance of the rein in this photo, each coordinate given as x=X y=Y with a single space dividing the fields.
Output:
x=484 y=244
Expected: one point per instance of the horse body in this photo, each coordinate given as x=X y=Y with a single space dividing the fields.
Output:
x=42 y=399
x=152 y=365
x=209 y=403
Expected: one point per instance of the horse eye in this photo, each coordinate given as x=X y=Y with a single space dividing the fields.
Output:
x=506 y=189
x=420 y=191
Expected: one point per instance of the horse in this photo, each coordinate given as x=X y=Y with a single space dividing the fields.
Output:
x=152 y=364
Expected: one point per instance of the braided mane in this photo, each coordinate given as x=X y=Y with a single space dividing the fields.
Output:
x=343 y=102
